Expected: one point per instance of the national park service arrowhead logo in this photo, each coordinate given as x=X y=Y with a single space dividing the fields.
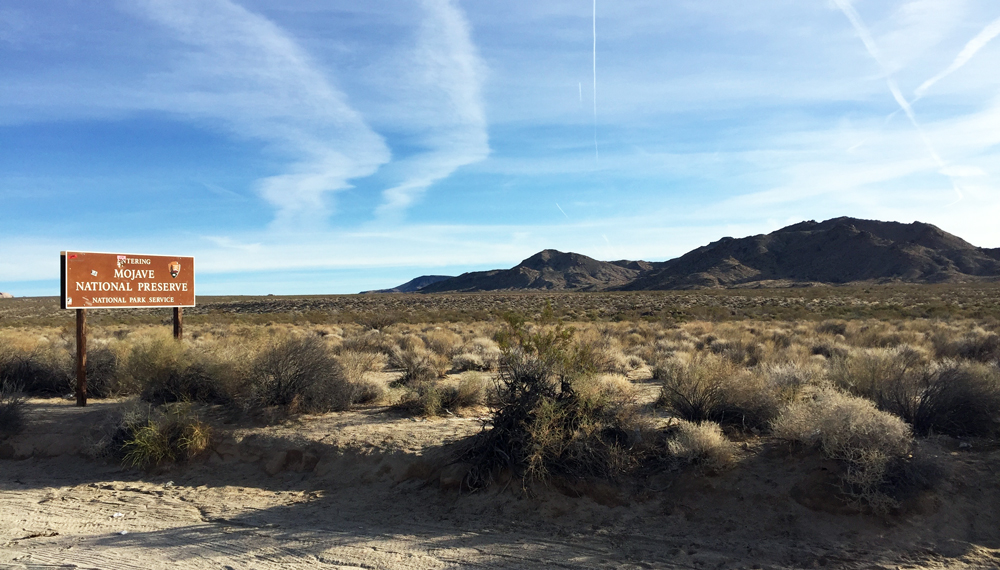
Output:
x=175 y=268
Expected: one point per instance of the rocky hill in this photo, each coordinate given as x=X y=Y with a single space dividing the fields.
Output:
x=840 y=250
x=836 y=251
x=413 y=285
x=548 y=270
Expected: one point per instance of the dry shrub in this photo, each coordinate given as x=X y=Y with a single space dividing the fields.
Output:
x=864 y=372
x=42 y=369
x=367 y=341
x=709 y=387
x=872 y=444
x=975 y=345
x=953 y=398
x=441 y=341
x=418 y=364
x=832 y=327
x=298 y=374
x=106 y=371
x=480 y=354
x=11 y=409
x=743 y=351
x=356 y=366
x=701 y=444
x=171 y=371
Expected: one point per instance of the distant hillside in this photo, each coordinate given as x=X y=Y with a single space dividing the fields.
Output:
x=548 y=270
x=413 y=285
x=840 y=250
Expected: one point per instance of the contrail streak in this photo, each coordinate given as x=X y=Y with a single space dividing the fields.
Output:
x=866 y=38
x=561 y=210
x=596 y=154
x=975 y=44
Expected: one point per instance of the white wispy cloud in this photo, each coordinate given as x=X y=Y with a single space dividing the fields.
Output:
x=450 y=80
x=971 y=48
x=244 y=72
x=866 y=37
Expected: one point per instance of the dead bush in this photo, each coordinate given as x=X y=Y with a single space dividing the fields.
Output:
x=872 y=444
x=11 y=409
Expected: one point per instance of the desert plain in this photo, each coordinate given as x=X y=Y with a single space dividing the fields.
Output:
x=379 y=477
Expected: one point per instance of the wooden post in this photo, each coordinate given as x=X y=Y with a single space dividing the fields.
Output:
x=178 y=323
x=81 y=357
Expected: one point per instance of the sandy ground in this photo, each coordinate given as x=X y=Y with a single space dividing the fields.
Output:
x=372 y=489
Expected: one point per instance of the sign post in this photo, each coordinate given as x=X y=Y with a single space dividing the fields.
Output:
x=122 y=281
x=81 y=357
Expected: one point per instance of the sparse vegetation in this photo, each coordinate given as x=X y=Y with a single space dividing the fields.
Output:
x=559 y=375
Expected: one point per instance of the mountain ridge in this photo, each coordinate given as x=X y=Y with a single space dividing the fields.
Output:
x=832 y=252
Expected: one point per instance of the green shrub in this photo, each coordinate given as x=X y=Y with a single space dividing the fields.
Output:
x=142 y=436
x=550 y=419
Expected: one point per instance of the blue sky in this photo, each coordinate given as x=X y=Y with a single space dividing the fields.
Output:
x=332 y=147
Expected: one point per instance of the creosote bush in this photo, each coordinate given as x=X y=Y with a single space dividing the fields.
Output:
x=548 y=418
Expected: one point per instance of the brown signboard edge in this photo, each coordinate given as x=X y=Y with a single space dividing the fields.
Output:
x=63 y=284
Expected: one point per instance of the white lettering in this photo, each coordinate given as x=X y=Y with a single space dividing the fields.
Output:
x=134 y=274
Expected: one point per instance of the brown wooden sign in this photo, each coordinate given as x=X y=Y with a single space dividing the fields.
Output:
x=126 y=280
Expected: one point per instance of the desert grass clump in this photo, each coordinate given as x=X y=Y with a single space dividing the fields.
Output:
x=872 y=445
x=174 y=435
x=11 y=410
x=478 y=354
x=357 y=368
x=548 y=420
x=701 y=444
x=434 y=398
